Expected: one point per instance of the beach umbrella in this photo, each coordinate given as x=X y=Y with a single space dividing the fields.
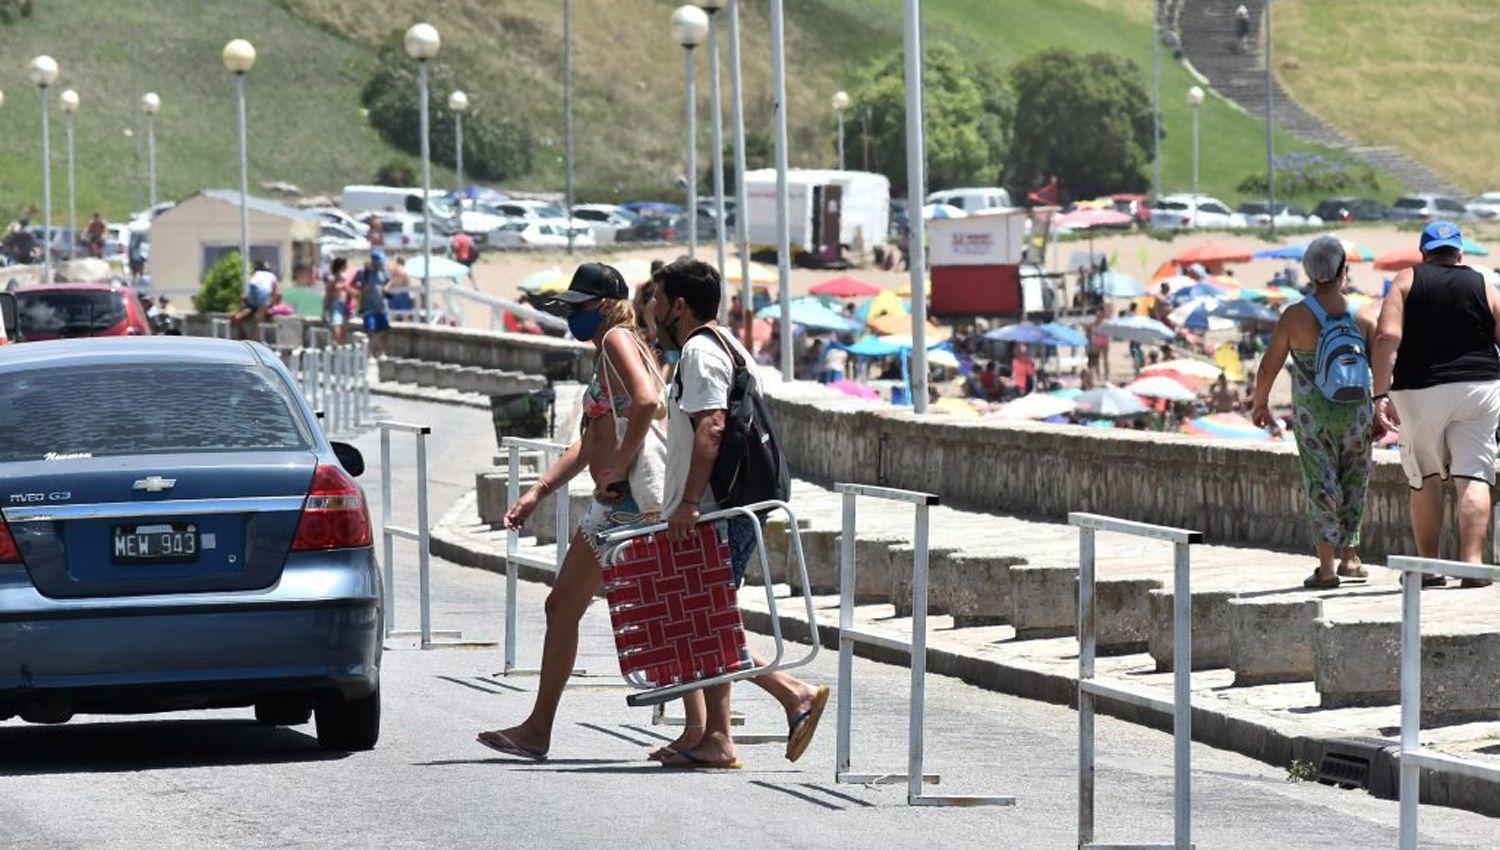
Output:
x=1229 y=426
x=1023 y=332
x=442 y=267
x=874 y=346
x=1191 y=383
x=954 y=407
x=1085 y=218
x=1036 y=406
x=1239 y=310
x=1068 y=393
x=886 y=303
x=1355 y=253
x=1110 y=402
x=943 y=211
x=846 y=287
x=1405 y=258
x=1184 y=366
x=1137 y=329
x=1117 y=285
x=1197 y=315
x=855 y=389
x=1063 y=335
x=760 y=275
x=942 y=357
x=1213 y=253
x=812 y=314
x=1160 y=386
x=536 y=280
x=893 y=325
x=1199 y=289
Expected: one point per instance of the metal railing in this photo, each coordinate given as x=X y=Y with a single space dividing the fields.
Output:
x=917 y=649
x=654 y=695
x=221 y=328
x=1413 y=756
x=514 y=557
x=420 y=535
x=335 y=379
x=1180 y=706
x=453 y=312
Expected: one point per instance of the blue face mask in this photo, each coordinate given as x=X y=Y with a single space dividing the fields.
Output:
x=584 y=324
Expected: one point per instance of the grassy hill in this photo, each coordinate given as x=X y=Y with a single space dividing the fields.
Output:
x=1420 y=76
x=306 y=126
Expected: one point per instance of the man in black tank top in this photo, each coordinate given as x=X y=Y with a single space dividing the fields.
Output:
x=1437 y=377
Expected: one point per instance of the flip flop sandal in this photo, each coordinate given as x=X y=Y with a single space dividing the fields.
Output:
x=1318 y=582
x=498 y=742
x=1355 y=572
x=1434 y=581
x=800 y=733
x=692 y=762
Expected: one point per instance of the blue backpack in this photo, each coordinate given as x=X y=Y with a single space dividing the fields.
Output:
x=1342 y=362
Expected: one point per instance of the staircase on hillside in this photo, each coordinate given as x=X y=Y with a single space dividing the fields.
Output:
x=1207 y=32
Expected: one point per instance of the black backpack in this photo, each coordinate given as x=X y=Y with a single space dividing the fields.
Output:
x=751 y=466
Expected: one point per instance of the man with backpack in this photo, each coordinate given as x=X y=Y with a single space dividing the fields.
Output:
x=722 y=452
x=1332 y=414
x=1437 y=376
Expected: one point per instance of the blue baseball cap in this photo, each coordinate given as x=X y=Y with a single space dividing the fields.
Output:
x=1441 y=234
x=377 y=256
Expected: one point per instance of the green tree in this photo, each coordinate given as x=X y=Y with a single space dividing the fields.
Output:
x=14 y=10
x=969 y=112
x=223 y=287
x=396 y=172
x=496 y=147
x=1085 y=119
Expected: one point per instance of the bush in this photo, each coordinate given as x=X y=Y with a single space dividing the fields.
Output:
x=496 y=147
x=14 y=10
x=1309 y=173
x=223 y=288
x=396 y=172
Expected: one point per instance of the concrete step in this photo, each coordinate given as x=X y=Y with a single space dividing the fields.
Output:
x=467 y=379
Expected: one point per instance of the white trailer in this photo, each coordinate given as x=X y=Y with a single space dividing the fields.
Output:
x=861 y=205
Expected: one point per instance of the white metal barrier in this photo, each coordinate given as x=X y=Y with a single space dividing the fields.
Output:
x=1413 y=756
x=335 y=379
x=453 y=312
x=654 y=695
x=389 y=532
x=917 y=649
x=221 y=328
x=514 y=558
x=1180 y=706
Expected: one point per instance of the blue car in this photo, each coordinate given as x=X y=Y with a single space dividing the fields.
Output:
x=176 y=533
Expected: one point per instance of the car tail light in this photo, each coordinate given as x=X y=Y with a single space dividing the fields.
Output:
x=334 y=515
x=9 y=552
x=668 y=234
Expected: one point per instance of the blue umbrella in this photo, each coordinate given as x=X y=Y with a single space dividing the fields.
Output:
x=1198 y=319
x=1137 y=329
x=1197 y=290
x=1110 y=402
x=874 y=346
x=1064 y=336
x=1474 y=248
x=1117 y=285
x=1240 y=310
x=812 y=314
x=1025 y=332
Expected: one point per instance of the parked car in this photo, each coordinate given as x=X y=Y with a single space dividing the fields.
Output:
x=545 y=233
x=529 y=210
x=1257 y=214
x=478 y=219
x=605 y=220
x=340 y=239
x=654 y=228
x=972 y=200
x=1351 y=209
x=403 y=231
x=1137 y=207
x=1486 y=206
x=1188 y=210
x=179 y=534
x=1426 y=208
x=66 y=310
x=334 y=215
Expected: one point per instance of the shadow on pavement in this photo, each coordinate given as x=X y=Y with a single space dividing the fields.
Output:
x=151 y=745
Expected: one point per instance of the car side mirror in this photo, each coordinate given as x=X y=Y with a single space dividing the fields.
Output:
x=350 y=458
x=10 y=328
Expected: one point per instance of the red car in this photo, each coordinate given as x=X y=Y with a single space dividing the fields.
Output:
x=66 y=310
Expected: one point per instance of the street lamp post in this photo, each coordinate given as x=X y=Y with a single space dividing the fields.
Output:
x=741 y=227
x=916 y=187
x=1195 y=101
x=69 y=101
x=43 y=71
x=150 y=104
x=458 y=103
x=689 y=28
x=1156 y=90
x=1270 y=124
x=569 y=173
x=712 y=7
x=840 y=103
x=238 y=58
x=783 y=220
x=422 y=44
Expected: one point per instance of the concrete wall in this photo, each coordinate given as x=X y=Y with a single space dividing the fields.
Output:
x=1232 y=491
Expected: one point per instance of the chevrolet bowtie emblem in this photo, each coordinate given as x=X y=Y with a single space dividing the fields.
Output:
x=155 y=484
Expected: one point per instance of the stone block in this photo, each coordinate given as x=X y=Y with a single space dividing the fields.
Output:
x=425 y=374
x=1270 y=638
x=779 y=551
x=1212 y=641
x=544 y=521
x=406 y=371
x=975 y=588
x=1043 y=600
x=387 y=369
x=446 y=377
x=467 y=379
x=903 y=571
x=820 y=551
x=872 y=567
x=1357 y=662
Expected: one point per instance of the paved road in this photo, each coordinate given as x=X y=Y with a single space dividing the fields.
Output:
x=216 y=779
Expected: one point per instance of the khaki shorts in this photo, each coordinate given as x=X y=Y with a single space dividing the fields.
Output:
x=1449 y=430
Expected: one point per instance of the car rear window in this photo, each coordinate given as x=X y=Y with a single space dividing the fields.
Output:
x=1171 y=205
x=69 y=312
x=146 y=409
x=1410 y=203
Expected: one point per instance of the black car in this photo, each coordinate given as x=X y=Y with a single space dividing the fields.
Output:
x=1351 y=209
x=654 y=228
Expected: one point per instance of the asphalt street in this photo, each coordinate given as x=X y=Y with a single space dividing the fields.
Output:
x=215 y=779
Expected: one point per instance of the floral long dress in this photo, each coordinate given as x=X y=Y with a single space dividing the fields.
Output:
x=1333 y=444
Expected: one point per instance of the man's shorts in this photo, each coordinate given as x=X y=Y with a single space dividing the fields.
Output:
x=377 y=322
x=1449 y=430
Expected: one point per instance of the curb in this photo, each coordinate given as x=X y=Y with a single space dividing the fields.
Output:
x=1369 y=763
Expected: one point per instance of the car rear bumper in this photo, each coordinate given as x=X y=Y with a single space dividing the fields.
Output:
x=316 y=633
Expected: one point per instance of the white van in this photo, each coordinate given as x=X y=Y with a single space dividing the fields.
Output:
x=362 y=199
x=972 y=200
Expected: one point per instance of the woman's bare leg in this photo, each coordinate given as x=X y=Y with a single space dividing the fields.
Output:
x=576 y=585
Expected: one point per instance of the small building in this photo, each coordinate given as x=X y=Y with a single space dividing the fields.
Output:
x=189 y=238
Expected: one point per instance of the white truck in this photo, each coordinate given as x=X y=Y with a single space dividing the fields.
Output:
x=362 y=199
x=828 y=210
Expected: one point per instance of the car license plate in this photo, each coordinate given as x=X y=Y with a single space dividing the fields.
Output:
x=162 y=543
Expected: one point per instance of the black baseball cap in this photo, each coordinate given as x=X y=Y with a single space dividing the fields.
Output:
x=592 y=280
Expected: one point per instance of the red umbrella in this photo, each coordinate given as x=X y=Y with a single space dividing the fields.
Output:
x=1402 y=258
x=1086 y=217
x=845 y=287
x=1213 y=254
